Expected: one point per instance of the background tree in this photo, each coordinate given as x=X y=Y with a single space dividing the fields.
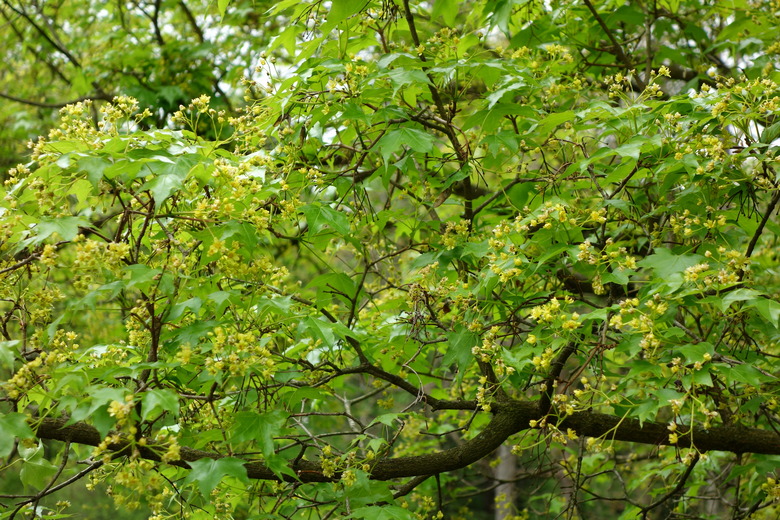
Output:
x=431 y=231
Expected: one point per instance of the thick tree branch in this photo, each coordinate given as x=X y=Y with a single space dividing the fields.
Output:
x=511 y=417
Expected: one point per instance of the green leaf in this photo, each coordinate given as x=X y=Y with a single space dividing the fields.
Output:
x=157 y=401
x=666 y=264
x=222 y=7
x=208 y=473
x=259 y=427
x=365 y=491
x=631 y=148
x=697 y=352
x=94 y=167
x=447 y=10
x=169 y=176
x=459 y=347
x=769 y=309
x=13 y=425
x=738 y=295
x=318 y=216
x=771 y=133
x=339 y=11
x=193 y=305
x=702 y=377
x=66 y=227
x=746 y=374
x=8 y=350
x=37 y=474
x=400 y=138
x=141 y=276
x=320 y=329
x=403 y=77
x=552 y=120
x=388 y=419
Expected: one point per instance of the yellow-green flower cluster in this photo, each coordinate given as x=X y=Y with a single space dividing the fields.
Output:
x=544 y=361
x=489 y=346
x=484 y=392
x=618 y=84
x=94 y=257
x=489 y=352
x=198 y=115
x=134 y=480
x=238 y=353
x=612 y=254
x=455 y=232
x=76 y=123
x=121 y=411
x=35 y=371
x=232 y=264
x=115 y=116
x=686 y=224
x=136 y=325
x=552 y=312
x=545 y=217
x=29 y=375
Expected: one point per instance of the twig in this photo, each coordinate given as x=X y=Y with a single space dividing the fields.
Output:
x=676 y=490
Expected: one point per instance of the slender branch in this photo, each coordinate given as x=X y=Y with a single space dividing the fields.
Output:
x=44 y=34
x=409 y=486
x=193 y=22
x=20 y=264
x=52 y=105
x=680 y=485
x=448 y=130
x=55 y=70
x=156 y=23
x=545 y=401
x=618 y=49
x=769 y=210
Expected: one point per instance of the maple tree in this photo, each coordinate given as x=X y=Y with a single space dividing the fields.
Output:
x=385 y=240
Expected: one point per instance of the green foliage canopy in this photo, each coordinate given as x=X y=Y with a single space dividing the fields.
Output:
x=434 y=229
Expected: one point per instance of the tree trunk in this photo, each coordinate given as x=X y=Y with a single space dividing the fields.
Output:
x=505 y=491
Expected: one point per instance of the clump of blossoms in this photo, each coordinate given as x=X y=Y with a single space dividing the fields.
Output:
x=231 y=263
x=76 y=123
x=544 y=217
x=138 y=334
x=29 y=375
x=505 y=259
x=488 y=352
x=687 y=225
x=444 y=43
x=238 y=353
x=134 y=482
x=35 y=371
x=455 y=232
x=544 y=361
x=199 y=114
x=348 y=464
x=552 y=311
x=618 y=85
x=484 y=392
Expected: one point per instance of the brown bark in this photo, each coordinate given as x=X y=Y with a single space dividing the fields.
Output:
x=510 y=417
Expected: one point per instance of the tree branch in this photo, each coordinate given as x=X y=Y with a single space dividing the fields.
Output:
x=53 y=105
x=511 y=417
x=62 y=50
x=616 y=47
